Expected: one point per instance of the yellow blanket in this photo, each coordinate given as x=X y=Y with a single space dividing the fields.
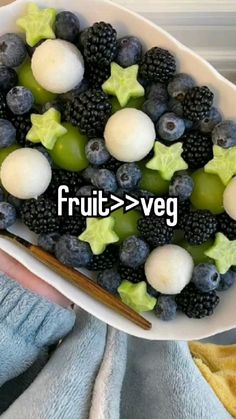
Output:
x=218 y=366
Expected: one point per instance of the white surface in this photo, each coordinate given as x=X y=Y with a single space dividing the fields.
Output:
x=58 y=66
x=182 y=328
x=129 y=135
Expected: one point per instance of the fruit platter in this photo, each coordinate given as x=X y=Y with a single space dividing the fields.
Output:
x=118 y=157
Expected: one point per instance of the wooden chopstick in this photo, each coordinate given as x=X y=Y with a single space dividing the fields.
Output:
x=81 y=281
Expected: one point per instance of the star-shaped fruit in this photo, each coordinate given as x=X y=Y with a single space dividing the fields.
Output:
x=167 y=160
x=223 y=163
x=223 y=252
x=37 y=24
x=46 y=128
x=136 y=296
x=99 y=233
x=123 y=84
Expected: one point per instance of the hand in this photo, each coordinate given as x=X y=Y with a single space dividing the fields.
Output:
x=28 y=280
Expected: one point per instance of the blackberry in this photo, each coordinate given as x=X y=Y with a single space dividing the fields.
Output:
x=89 y=111
x=100 y=44
x=157 y=65
x=199 y=226
x=197 y=149
x=104 y=261
x=74 y=225
x=196 y=304
x=97 y=76
x=23 y=124
x=197 y=103
x=112 y=164
x=227 y=226
x=183 y=209
x=40 y=215
x=4 y=111
x=155 y=231
x=132 y=275
x=63 y=177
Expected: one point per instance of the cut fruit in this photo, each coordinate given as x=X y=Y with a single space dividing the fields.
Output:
x=152 y=181
x=136 y=103
x=136 y=296
x=99 y=233
x=208 y=192
x=126 y=224
x=223 y=252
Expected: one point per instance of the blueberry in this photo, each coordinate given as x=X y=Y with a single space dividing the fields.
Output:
x=8 y=78
x=2 y=195
x=31 y=50
x=12 y=50
x=96 y=152
x=128 y=175
x=20 y=100
x=134 y=252
x=157 y=91
x=82 y=38
x=151 y=291
x=7 y=133
x=72 y=252
x=110 y=280
x=166 y=307
x=206 y=277
x=44 y=151
x=85 y=190
x=181 y=186
x=88 y=173
x=105 y=179
x=129 y=51
x=224 y=134
x=154 y=108
x=67 y=26
x=72 y=94
x=210 y=121
x=7 y=215
x=179 y=85
x=226 y=281
x=54 y=104
x=175 y=106
x=16 y=202
x=48 y=241
x=170 y=127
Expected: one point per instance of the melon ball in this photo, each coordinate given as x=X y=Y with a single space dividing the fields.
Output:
x=169 y=269
x=26 y=173
x=58 y=66
x=129 y=135
x=230 y=199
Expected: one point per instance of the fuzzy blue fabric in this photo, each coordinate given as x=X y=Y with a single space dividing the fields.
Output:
x=96 y=372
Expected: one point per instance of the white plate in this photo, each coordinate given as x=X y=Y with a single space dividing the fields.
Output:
x=127 y=22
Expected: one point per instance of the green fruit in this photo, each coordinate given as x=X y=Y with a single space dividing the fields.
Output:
x=136 y=296
x=208 y=192
x=136 y=103
x=26 y=78
x=198 y=251
x=4 y=152
x=152 y=181
x=69 y=150
x=126 y=224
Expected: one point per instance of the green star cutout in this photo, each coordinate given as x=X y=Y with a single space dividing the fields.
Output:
x=167 y=160
x=136 y=296
x=46 y=128
x=223 y=163
x=37 y=24
x=99 y=233
x=123 y=84
x=223 y=252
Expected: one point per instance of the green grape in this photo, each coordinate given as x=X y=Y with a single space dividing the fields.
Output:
x=198 y=251
x=126 y=224
x=4 y=152
x=26 y=78
x=136 y=103
x=208 y=192
x=69 y=150
x=152 y=181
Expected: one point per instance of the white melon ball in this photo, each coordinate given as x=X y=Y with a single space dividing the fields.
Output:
x=58 y=66
x=169 y=269
x=230 y=199
x=129 y=135
x=26 y=173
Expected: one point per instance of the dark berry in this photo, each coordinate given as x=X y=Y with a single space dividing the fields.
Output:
x=197 y=103
x=104 y=261
x=40 y=215
x=134 y=252
x=23 y=124
x=157 y=65
x=154 y=108
x=226 y=281
x=131 y=274
x=155 y=231
x=166 y=308
x=96 y=151
x=48 y=241
x=224 y=134
x=227 y=226
x=205 y=277
x=196 y=304
x=12 y=50
x=7 y=215
x=7 y=133
x=212 y=119
x=64 y=177
x=128 y=175
x=8 y=78
x=199 y=226
x=72 y=252
x=181 y=186
x=100 y=44
x=20 y=100
x=67 y=26
x=179 y=86
x=105 y=179
x=109 y=280
x=170 y=127
x=129 y=51
x=197 y=149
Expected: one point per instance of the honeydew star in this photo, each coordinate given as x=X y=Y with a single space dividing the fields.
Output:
x=123 y=83
x=223 y=252
x=46 y=128
x=99 y=233
x=136 y=296
x=223 y=163
x=37 y=24
x=167 y=160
